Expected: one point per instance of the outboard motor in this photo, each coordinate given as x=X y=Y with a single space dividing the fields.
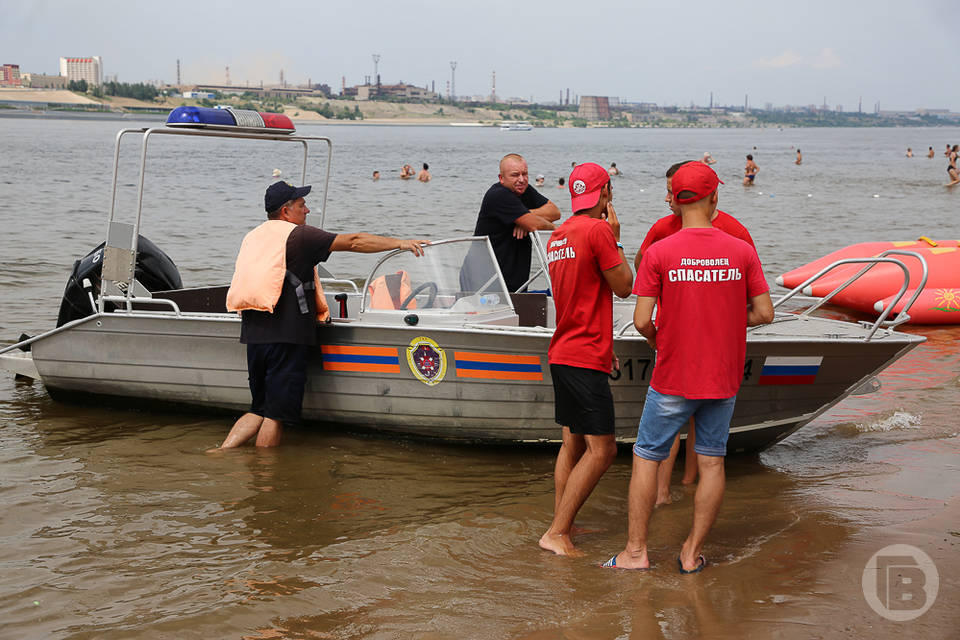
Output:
x=155 y=271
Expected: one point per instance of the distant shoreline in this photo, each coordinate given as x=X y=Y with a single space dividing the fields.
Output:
x=53 y=114
x=64 y=105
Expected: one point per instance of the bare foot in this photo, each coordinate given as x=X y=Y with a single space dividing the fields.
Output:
x=560 y=544
x=689 y=480
x=628 y=560
x=662 y=498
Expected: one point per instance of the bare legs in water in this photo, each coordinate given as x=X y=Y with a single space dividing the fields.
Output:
x=581 y=462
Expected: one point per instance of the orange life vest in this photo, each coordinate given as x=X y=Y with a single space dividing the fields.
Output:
x=262 y=268
x=390 y=290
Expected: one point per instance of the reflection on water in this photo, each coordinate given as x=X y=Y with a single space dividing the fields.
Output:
x=118 y=525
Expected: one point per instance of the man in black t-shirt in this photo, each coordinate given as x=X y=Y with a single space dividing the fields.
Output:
x=510 y=211
x=278 y=342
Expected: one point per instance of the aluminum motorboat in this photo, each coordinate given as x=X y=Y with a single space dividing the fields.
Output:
x=448 y=353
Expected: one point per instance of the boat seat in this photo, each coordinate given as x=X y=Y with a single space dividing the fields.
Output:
x=531 y=308
x=200 y=299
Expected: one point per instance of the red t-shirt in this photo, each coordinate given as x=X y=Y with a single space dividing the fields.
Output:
x=704 y=279
x=669 y=225
x=578 y=253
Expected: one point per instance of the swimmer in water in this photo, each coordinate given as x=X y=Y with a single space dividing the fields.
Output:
x=376 y=175
x=707 y=158
x=930 y=153
x=909 y=152
x=799 y=159
x=952 y=166
x=750 y=171
x=424 y=175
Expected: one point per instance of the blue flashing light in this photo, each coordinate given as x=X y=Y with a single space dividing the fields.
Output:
x=199 y=116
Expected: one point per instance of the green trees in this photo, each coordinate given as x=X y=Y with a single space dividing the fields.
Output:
x=138 y=91
x=344 y=114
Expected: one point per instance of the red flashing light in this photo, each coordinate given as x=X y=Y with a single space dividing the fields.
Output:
x=277 y=121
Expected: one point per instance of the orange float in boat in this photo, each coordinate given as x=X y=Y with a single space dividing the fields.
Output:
x=938 y=303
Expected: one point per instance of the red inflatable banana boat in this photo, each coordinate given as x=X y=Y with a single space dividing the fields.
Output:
x=938 y=303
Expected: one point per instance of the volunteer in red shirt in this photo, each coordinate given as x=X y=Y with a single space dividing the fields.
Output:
x=671 y=223
x=663 y=228
x=587 y=266
x=711 y=287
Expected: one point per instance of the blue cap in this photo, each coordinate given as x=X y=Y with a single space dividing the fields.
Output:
x=280 y=193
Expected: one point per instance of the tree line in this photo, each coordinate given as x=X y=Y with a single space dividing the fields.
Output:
x=139 y=91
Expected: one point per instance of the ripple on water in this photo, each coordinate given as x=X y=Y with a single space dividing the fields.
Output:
x=900 y=421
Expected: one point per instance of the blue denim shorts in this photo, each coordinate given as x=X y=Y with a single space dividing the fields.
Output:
x=664 y=416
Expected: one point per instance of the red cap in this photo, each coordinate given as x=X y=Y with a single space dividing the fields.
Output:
x=585 y=182
x=696 y=177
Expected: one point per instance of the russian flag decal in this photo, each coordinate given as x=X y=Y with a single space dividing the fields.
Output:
x=790 y=370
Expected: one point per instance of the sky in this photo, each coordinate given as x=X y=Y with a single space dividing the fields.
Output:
x=903 y=55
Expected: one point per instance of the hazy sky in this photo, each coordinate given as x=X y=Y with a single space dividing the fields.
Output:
x=903 y=54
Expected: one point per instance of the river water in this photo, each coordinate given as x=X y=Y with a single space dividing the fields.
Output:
x=116 y=524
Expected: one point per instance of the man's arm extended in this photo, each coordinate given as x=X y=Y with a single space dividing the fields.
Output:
x=369 y=243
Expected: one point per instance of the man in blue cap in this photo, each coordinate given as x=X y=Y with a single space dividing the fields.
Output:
x=270 y=285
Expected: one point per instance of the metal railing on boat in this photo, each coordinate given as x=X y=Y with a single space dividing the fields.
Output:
x=899 y=319
x=118 y=230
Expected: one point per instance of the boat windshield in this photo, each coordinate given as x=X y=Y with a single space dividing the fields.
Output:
x=456 y=275
x=539 y=275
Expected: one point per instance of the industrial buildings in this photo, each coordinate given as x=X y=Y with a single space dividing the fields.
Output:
x=594 y=108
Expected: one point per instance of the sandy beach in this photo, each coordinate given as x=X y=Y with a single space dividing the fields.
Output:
x=373 y=112
x=55 y=96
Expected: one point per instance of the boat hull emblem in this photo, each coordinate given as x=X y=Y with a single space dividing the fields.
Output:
x=427 y=360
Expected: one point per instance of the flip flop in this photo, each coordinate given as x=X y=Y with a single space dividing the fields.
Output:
x=612 y=564
x=701 y=563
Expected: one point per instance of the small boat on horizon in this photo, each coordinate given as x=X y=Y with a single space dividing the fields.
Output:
x=515 y=125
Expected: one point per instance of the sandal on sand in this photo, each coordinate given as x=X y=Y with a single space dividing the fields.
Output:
x=701 y=563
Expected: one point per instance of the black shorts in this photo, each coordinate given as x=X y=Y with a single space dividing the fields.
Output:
x=278 y=376
x=583 y=400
